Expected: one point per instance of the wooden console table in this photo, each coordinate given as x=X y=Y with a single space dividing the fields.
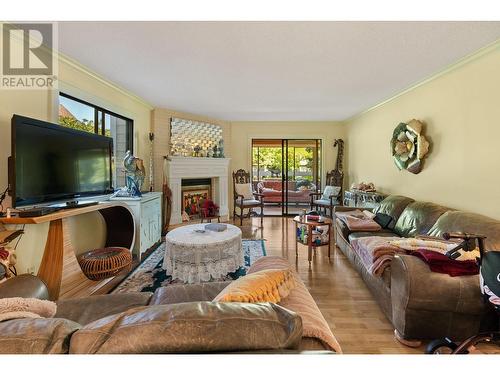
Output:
x=59 y=268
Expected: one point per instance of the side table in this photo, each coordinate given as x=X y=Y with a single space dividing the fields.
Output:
x=147 y=217
x=311 y=228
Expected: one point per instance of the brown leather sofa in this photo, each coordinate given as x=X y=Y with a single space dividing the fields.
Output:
x=422 y=304
x=175 y=319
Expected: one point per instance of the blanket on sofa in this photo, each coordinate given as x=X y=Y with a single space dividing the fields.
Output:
x=17 y=307
x=442 y=264
x=358 y=221
x=376 y=253
x=437 y=245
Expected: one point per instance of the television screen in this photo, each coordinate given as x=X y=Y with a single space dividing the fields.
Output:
x=52 y=162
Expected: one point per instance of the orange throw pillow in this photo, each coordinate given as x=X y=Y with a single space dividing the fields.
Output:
x=271 y=285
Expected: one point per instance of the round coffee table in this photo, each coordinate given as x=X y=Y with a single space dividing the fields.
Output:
x=194 y=257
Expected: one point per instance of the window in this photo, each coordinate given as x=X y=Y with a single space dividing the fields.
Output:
x=78 y=114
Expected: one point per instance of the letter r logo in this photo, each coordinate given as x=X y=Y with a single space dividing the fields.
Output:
x=27 y=49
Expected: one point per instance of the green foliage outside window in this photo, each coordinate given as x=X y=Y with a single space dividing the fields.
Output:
x=269 y=158
x=84 y=125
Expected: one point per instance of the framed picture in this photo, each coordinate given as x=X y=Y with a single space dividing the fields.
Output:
x=191 y=199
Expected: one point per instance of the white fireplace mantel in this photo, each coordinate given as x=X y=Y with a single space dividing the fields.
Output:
x=182 y=167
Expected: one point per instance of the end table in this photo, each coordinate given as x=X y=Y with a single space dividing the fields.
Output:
x=311 y=227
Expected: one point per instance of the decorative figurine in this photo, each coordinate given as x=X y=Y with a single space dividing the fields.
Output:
x=221 y=148
x=134 y=174
x=196 y=150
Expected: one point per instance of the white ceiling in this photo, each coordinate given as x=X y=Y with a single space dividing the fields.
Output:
x=270 y=70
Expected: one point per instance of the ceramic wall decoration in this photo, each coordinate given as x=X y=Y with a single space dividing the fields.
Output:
x=409 y=146
x=195 y=138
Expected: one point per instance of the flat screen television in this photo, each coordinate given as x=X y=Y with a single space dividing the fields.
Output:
x=52 y=163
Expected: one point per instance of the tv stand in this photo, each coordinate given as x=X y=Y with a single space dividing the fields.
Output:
x=59 y=268
x=74 y=204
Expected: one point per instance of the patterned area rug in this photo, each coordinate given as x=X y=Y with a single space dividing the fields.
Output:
x=150 y=275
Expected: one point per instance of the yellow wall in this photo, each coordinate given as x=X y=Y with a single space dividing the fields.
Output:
x=42 y=104
x=461 y=109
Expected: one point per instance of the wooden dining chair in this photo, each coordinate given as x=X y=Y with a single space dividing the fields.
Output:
x=249 y=200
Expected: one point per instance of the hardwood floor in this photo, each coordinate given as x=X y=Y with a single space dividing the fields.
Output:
x=346 y=303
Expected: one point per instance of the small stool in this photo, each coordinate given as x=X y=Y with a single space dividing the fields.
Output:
x=103 y=263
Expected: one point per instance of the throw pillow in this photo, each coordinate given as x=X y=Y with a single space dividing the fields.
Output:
x=382 y=219
x=245 y=190
x=269 y=285
x=330 y=190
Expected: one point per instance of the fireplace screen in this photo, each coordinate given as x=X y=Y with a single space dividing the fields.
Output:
x=191 y=200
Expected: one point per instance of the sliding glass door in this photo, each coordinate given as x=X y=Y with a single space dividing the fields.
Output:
x=285 y=171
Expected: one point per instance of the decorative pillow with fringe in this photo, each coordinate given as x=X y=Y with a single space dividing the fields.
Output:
x=271 y=285
x=17 y=307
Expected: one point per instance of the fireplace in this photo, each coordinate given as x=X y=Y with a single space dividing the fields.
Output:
x=214 y=171
x=193 y=191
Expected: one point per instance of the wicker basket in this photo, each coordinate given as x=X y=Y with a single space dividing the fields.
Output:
x=100 y=264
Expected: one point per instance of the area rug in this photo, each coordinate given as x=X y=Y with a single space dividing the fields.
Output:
x=150 y=275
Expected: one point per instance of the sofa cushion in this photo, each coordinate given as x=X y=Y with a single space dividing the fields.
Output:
x=325 y=202
x=191 y=327
x=459 y=221
x=177 y=293
x=393 y=205
x=417 y=218
x=245 y=190
x=330 y=190
x=87 y=309
x=36 y=336
x=250 y=202
x=271 y=193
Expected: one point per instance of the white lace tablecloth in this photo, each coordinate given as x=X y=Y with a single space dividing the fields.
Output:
x=198 y=257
